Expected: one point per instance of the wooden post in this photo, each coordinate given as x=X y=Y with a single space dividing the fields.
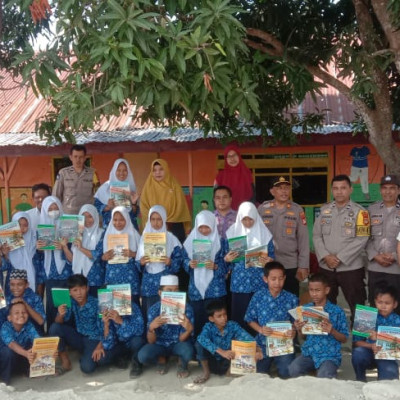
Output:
x=7 y=173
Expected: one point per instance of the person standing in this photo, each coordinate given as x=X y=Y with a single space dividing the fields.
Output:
x=383 y=264
x=287 y=222
x=224 y=213
x=340 y=235
x=39 y=192
x=74 y=184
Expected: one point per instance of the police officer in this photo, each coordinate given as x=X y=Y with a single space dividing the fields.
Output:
x=287 y=222
x=74 y=184
x=383 y=264
x=340 y=234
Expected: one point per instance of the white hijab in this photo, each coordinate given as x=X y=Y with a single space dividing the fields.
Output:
x=81 y=263
x=103 y=193
x=172 y=241
x=46 y=220
x=203 y=276
x=257 y=235
x=133 y=234
x=21 y=258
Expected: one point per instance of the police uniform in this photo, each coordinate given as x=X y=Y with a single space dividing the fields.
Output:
x=290 y=233
x=73 y=189
x=385 y=226
x=344 y=233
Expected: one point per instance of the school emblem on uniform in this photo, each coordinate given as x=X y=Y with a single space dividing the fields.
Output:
x=363 y=223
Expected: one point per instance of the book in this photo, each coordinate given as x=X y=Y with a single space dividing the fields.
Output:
x=388 y=339
x=118 y=242
x=105 y=301
x=70 y=227
x=121 y=298
x=45 y=362
x=252 y=256
x=238 y=244
x=245 y=357
x=312 y=316
x=173 y=306
x=3 y=303
x=364 y=320
x=202 y=252
x=155 y=245
x=120 y=192
x=60 y=296
x=279 y=344
x=11 y=235
x=47 y=233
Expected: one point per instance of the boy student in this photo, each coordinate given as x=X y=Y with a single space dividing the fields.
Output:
x=269 y=305
x=321 y=352
x=21 y=292
x=364 y=348
x=17 y=335
x=128 y=331
x=166 y=339
x=213 y=345
x=88 y=335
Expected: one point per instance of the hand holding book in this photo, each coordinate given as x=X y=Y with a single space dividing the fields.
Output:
x=231 y=255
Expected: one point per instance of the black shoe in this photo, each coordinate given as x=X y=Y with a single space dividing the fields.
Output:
x=136 y=370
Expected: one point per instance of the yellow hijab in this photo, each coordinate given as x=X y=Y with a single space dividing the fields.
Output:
x=167 y=193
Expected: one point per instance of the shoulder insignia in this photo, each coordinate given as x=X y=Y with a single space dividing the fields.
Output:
x=303 y=218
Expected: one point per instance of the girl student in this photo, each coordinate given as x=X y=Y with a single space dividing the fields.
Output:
x=153 y=271
x=120 y=172
x=206 y=283
x=122 y=273
x=56 y=269
x=22 y=258
x=246 y=281
x=85 y=254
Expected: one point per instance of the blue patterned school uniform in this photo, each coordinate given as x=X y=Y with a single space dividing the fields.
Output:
x=392 y=319
x=168 y=334
x=24 y=337
x=32 y=299
x=53 y=273
x=124 y=273
x=211 y=338
x=323 y=348
x=264 y=308
x=97 y=273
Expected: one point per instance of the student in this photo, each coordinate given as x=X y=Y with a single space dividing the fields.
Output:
x=85 y=254
x=17 y=335
x=87 y=337
x=246 y=281
x=21 y=292
x=321 y=352
x=120 y=172
x=126 y=272
x=206 y=283
x=165 y=339
x=213 y=346
x=270 y=305
x=128 y=331
x=365 y=348
x=56 y=269
x=22 y=258
x=153 y=271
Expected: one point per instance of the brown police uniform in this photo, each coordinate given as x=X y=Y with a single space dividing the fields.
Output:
x=73 y=189
x=344 y=233
x=291 y=240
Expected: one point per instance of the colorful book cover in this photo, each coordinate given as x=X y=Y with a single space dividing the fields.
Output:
x=3 y=302
x=45 y=362
x=245 y=357
x=202 y=252
x=364 y=320
x=47 y=233
x=279 y=343
x=388 y=339
x=155 y=245
x=11 y=235
x=118 y=242
x=70 y=227
x=121 y=298
x=121 y=194
x=238 y=244
x=61 y=296
x=313 y=317
x=173 y=306
x=105 y=301
x=253 y=255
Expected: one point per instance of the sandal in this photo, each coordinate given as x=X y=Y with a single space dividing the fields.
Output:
x=182 y=372
x=60 y=370
x=201 y=379
x=162 y=368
